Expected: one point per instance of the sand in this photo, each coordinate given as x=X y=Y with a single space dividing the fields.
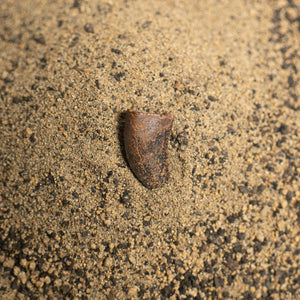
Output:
x=75 y=221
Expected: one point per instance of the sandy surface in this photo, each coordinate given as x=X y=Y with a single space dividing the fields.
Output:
x=76 y=223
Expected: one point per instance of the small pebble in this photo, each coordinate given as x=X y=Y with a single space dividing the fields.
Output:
x=17 y=270
x=133 y=291
x=132 y=259
x=22 y=276
x=29 y=132
x=108 y=262
x=125 y=198
x=88 y=27
x=24 y=262
x=32 y=265
x=20 y=296
x=58 y=283
x=9 y=263
x=93 y=246
x=107 y=222
x=260 y=236
x=39 y=284
x=47 y=279
x=193 y=292
x=29 y=285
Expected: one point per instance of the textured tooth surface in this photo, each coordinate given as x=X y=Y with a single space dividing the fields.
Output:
x=146 y=137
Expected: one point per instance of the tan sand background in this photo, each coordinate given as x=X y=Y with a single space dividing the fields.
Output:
x=76 y=223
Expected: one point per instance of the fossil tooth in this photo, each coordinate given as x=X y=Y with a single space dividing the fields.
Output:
x=146 y=137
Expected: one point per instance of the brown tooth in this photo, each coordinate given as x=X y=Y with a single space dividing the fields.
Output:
x=146 y=137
